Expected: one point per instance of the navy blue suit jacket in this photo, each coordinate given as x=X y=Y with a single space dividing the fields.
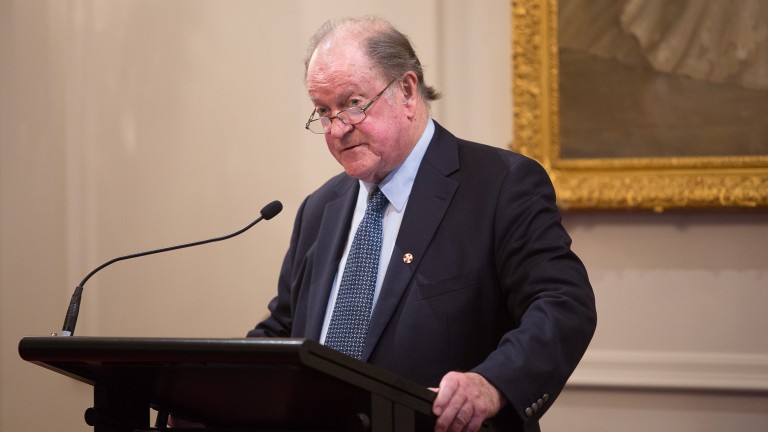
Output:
x=493 y=286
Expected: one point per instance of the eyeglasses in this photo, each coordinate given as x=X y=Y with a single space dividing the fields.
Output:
x=350 y=116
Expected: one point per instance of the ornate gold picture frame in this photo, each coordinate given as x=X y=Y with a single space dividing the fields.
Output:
x=651 y=183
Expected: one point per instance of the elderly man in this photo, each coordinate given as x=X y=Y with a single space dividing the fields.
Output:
x=439 y=259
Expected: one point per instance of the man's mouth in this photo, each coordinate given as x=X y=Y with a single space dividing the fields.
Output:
x=350 y=147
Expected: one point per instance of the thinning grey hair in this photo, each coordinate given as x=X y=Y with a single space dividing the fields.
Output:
x=389 y=50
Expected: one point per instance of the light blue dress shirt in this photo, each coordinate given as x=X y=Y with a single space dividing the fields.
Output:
x=397 y=188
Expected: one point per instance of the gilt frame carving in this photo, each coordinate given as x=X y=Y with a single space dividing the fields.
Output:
x=658 y=183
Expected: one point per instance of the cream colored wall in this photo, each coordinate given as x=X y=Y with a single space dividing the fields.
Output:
x=130 y=125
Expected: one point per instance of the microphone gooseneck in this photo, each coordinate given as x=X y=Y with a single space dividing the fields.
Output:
x=267 y=212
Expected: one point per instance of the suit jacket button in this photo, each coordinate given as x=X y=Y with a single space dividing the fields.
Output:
x=540 y=402
x=546 y=397
x=535 y=407
x=529 y=412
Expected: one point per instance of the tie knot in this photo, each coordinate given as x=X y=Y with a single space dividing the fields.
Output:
x=377 y=201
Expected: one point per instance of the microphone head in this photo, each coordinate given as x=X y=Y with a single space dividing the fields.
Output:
x=271 y=210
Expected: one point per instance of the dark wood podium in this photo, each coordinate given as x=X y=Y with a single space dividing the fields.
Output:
x=233 y=384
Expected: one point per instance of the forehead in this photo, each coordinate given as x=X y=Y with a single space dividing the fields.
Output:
x=337 y=65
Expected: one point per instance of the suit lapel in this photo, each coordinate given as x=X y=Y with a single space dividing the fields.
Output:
x=429 y=200
x=334 y=229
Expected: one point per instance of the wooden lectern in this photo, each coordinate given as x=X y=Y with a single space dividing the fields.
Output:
x=233 y=384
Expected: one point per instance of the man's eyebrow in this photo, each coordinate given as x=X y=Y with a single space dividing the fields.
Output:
x=342 y=96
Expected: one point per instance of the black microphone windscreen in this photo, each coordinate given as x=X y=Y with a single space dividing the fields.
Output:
x=271 y=210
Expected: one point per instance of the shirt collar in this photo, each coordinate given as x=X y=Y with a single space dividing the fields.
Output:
x=398 y=184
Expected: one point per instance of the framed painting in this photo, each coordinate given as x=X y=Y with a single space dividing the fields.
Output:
x=644 y=104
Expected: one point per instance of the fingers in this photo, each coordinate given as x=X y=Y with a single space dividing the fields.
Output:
x=450 y=407
x=445 y=392
x=464 y=401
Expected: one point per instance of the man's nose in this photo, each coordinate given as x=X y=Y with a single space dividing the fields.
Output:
x=339 y=128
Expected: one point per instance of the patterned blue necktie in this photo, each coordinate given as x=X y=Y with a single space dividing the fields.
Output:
x=354 y=301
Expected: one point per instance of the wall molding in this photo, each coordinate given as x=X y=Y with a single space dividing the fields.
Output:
x=664 y=370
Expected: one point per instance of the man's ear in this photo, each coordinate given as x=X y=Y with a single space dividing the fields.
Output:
x=410 y=88
x=410 y=85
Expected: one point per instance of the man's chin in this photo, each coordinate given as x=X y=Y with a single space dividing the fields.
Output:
x=363 y=177
x=362 y=172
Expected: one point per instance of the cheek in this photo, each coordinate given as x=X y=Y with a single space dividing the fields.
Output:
x=387 y=144
x=380 y=139
x=333 y=148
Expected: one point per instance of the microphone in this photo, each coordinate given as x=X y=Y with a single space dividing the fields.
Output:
x=268 y=212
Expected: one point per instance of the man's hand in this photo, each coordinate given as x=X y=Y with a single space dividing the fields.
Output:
x=464 y=401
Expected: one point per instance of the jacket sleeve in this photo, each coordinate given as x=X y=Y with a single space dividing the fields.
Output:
x=280 y=319
x=547 y=293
